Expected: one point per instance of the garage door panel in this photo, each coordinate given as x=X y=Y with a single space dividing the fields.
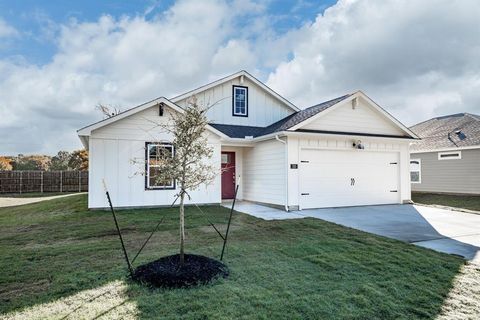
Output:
x=326 y=178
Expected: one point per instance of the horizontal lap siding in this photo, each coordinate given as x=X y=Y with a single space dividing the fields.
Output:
x=456 y=175
x=362 y=119
x=264 y=173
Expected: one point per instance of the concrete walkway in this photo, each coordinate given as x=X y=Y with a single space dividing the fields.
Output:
x=443 y=230
x=14 y=201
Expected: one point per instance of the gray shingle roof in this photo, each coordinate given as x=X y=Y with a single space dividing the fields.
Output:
x=234 y=131
x=456 y=130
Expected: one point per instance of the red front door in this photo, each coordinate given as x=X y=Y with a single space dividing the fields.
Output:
x=228 y=175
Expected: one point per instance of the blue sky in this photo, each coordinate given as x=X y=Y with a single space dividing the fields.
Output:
x=39 y=20
x=59 y=59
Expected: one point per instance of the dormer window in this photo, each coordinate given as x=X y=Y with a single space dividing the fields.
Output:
x=240 y=101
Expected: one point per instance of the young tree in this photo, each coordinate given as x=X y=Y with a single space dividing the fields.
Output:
x=108 y=111
x=189 y=164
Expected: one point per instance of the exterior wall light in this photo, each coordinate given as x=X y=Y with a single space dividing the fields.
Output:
x=358 y=145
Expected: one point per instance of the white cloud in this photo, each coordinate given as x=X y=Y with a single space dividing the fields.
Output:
x=121 y=62
x=416 y=58
x=235 y=55
x=6 y=30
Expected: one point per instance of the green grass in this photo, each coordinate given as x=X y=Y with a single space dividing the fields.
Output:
x=456 y=201
x=58 y=252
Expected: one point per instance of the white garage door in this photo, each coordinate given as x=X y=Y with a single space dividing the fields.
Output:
x=348 y=178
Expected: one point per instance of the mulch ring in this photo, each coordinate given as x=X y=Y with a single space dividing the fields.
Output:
x=167 y=272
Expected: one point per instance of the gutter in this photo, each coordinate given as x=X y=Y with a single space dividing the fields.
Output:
x=246 y=142
x=286 y=170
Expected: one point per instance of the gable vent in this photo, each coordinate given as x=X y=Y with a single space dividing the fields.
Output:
x=354 y=103
x=160 y=109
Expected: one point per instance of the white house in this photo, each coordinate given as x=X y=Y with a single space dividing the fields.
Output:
x=343 y=152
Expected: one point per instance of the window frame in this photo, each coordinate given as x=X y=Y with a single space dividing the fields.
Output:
x=233 y=101
x=147 y=166
x=457 y=157
x=419 y=170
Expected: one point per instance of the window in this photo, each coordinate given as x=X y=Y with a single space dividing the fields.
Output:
x=225 y=158
x=154 y=155
x=415 y=171
x=450 y=155
x=240 y=101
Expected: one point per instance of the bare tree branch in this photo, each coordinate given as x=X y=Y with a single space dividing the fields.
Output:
x=108 y=111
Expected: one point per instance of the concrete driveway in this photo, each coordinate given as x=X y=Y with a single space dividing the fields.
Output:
x=443 y=230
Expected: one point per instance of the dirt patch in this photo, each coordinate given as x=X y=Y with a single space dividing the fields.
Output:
x=167 y=272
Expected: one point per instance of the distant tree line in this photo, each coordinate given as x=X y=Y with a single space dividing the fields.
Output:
x=62 y=161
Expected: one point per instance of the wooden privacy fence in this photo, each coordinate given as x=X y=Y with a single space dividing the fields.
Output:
x=43 y=181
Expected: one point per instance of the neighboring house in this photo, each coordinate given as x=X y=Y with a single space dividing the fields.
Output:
x=343 y=152
x=447 y=159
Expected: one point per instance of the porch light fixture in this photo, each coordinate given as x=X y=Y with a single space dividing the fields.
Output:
x=358 y=145
x=160 y=109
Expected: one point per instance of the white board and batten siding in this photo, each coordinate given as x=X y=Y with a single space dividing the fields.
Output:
x=115 y=148
x=264 y=168
x=263 y=108
x=327 y=165
x=361 y=119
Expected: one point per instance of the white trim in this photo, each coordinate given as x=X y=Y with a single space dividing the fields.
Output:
x=446 y=149
x=455 y=157
x=419 y=171
x=241 y=142
x=352 y=136
x=243 y=73
x=285 y=144
x=358 y=94
x=164 y=187
x=234 y=101
x=86 y=131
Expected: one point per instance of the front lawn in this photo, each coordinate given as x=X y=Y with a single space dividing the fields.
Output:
x=456 y=201
x=59 y=260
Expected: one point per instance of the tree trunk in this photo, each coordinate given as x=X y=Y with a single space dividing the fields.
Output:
x=182 y=229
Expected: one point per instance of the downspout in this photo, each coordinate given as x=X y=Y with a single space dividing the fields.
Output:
x=286 y=170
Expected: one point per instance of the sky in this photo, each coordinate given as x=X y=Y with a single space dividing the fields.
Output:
x=60 y=58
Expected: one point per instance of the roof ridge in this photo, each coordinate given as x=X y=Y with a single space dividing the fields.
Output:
x=234 y=75
x=447 y=116
x=324 y=102
x=208 y=83
x=474 y=116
